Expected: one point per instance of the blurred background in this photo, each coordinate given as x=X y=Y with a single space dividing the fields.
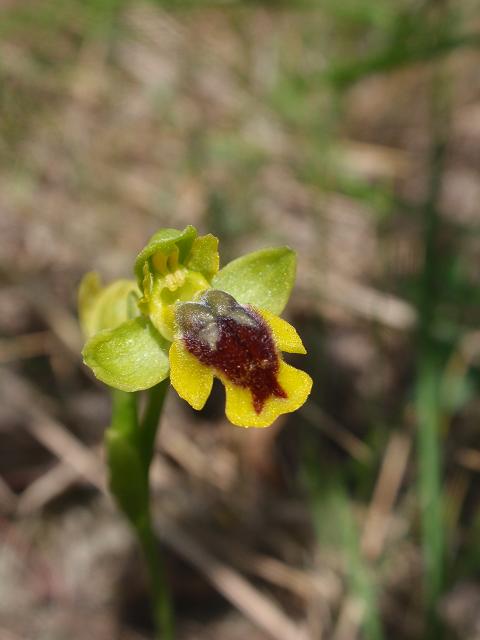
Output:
x=351 y=131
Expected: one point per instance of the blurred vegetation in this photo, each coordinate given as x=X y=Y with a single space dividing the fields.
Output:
x=349 y=130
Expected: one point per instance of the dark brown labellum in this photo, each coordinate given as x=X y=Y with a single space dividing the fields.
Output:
x=235 y=341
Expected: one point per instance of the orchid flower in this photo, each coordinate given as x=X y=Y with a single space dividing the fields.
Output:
x=185 y=318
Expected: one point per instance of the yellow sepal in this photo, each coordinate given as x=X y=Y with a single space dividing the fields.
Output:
x=191 y=379
x=285 y=336
x=239 y=402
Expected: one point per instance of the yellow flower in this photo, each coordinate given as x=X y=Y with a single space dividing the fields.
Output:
x=241 y=345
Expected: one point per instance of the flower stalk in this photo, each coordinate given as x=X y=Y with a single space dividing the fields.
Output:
x=130 y=447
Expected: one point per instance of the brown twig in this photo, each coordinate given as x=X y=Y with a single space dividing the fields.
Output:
x=389 y=480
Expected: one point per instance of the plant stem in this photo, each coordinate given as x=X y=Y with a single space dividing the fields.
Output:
x=124 y=412
x=429 y=371
x=150 y=421
x=161 y=601
x=130 y=446
x=430 y=489
x=161 y=598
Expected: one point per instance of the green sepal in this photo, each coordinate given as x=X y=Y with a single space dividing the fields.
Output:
x=165 y=241
x=131 y=357
x=263 y=278
x=127 y=475
x=107 y=307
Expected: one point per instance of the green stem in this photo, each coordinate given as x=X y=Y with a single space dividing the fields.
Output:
x=124 y=412
x=150 y=421
x=430 y=488
x=161 y=599
x=130 y=446
x=428 y=407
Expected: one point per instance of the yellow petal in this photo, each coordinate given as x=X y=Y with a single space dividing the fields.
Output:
x=284 y=334
x=239 y=403
x=191 y=379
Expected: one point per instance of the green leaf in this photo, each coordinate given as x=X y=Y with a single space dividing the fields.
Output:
x=164 y=241
x=105 y=307
x=264 y=278
x=131 y=357
x=127 y=475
